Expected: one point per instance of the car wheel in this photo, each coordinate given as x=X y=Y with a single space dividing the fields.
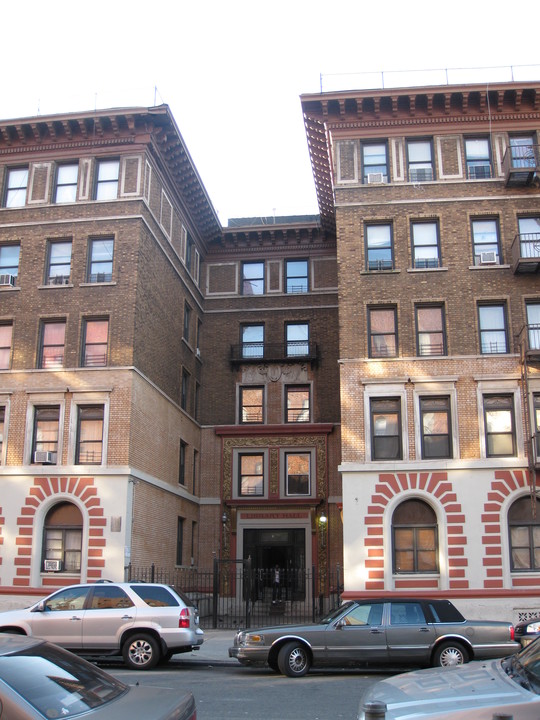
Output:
x=141 y=652
x=450 y=653
x=294 y=660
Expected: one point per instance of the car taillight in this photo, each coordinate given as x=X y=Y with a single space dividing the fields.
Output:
x=512 y=632
x=184 y=620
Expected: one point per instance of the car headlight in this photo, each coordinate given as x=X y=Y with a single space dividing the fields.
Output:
x=248 y=638
x=533 y=627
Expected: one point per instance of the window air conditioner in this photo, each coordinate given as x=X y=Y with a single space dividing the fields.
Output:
x=198 y=352
x=375 y=178
x=488 y=257
x=7 y=280
x=44 y=457
x=52 y=565
x=59 y=280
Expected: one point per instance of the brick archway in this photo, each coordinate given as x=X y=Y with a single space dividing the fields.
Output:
x=46 y=487
x=437 y=485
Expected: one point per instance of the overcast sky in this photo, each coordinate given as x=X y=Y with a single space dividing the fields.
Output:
x=232 y=71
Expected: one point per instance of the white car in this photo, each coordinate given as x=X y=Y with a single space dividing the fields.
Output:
x=480 y=690
x=144 y=622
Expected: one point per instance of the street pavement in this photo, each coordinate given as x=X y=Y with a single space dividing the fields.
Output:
x=215 y=648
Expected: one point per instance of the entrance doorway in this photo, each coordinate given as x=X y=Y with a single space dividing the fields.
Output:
x=284 y=547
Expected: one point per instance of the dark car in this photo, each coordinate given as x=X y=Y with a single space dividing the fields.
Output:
x=41 y=680
x=527 y=630
x=144 y=622
x=508 y=688
x=409 y=632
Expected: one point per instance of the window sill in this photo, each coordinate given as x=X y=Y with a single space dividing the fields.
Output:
x=97 y=284
x=494 y=266
x=427 y=269
x=394 y=271
x=52 y=286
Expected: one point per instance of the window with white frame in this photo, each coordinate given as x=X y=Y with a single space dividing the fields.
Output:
x=492 y=327
x=16 y=187
x=65 y=190
x=107 y=174
x=486 y=245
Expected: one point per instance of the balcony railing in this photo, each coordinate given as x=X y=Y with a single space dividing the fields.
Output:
x=526 y=253
x=521 y=165
x=529 y=341
x=288 y=352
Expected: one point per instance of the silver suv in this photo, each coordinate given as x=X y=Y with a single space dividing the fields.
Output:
x=144 y=622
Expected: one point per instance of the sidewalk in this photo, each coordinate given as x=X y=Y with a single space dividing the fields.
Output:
x=215 y=648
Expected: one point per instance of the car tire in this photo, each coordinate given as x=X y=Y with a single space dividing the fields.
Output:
x=448 y=654
x=294 y=659
x=141 y=652
x=273 y=665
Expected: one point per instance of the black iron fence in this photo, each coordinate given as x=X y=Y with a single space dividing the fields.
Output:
x=235 y=594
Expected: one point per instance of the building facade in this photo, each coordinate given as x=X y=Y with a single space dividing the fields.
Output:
x=435 y=197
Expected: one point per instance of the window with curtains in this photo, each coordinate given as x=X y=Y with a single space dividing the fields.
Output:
x=58 y=262
x=250 y=474
x=524 y=531
x=436 y=426
x=493 y=329
x=51 y=353
x=45 y=435
x=62 y=537
x=430 y=330
x=386 y=430
x=95 y=344
x=415 y=542
x=100 y=260
x=382 y=332
x=379 y=247
x=89 y=435
x=500 y=425
x=6 y=335
x=252 y=404
x=426 y=251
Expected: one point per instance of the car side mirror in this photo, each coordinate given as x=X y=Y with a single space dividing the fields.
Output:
x=340 y=624
x=40 y=607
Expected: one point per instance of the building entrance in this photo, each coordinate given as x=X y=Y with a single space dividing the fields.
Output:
x=281 y=547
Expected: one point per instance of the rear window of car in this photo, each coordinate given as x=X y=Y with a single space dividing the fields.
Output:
x=156 y=595
x=444 y=612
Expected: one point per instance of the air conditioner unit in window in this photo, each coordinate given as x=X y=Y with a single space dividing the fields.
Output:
x=59 y=280
x=488 y=257
x=52 y=565
x=7 y=280
x=373 y=178
x=198 y=352
x=44 y=457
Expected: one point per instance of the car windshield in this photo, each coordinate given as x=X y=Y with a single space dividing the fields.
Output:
x=336 y=613
x=524 y=667
x=56 y=683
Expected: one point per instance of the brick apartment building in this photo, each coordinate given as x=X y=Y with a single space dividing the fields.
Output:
x=435 y=197
x=169 y=389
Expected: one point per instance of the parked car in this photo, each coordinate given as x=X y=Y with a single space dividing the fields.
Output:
x=41 y=680
x=478 y=691
x=377 y=632
x=527 y=630
x=144 y=622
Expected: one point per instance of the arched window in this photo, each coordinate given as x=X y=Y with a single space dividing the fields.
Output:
x=524 y=531
x=414 y=538
x=62 y=538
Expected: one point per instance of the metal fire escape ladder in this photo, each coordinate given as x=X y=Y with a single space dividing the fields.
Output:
x=530 y=431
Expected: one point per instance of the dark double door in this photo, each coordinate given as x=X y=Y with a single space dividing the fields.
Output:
x=284 y=547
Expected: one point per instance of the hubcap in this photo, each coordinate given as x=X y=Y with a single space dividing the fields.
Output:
x=140 y=652
x=451 y=656
x=297 y=660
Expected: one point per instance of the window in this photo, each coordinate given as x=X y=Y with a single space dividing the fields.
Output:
x=298 y=474
x=492 y=325
x=529 y=237
x=430 y=330
x=182 y=463
x=2 y=421
x=252 y=341
x=499 y=425
x=107 y=180
x=59 y=263
x=45 y=434
x=382 y=331
x=100 y=260
x=62 y=542
x=486 y=247
x=524 y=530
x=52 y=344
x=420 y=161
x=16 y=185
x=251 y=404
x=386 y=442
x=436 y=427
x=415 y=538
x=184 y=390
x=198 y=338
x=66 y=183
x=251 y=475
x=89 y=435
x=298 y=403
x=522 y=151
x=187 y=320
x=375 y=163
x=533 y=325
x=253 y=278
x=96 y=338
x=478 y=159
x=379 y=247
x=425 y=244
x=297 y=338
x=536 y=423
x=179 y=540
x=6 y=334
x=9 y=262
x=296 y=276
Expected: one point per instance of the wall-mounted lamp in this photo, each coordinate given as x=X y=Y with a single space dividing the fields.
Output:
x=224 y=518
x=323 y=519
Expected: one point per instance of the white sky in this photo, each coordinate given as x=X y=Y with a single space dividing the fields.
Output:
x=232 y=71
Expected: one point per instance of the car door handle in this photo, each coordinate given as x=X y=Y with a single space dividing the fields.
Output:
x=127 y=617
x=424 y=629
x=76 y=617
x=376 y=631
